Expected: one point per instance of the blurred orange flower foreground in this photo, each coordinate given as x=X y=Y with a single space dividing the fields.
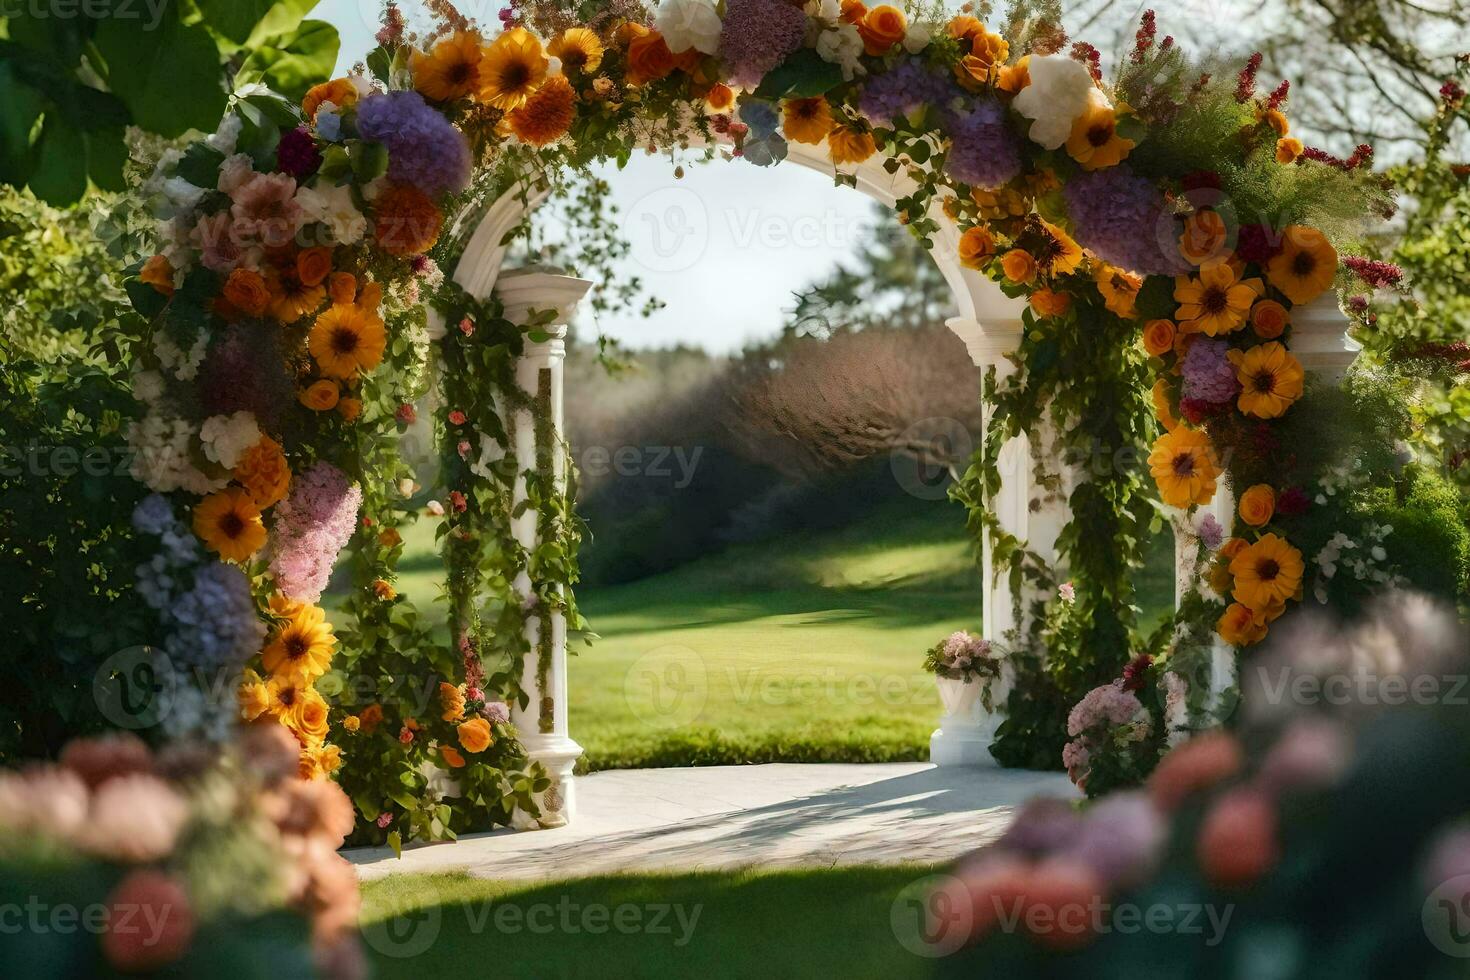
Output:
x=187 y=860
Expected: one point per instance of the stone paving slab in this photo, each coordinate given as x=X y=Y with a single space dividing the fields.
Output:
x=725 y=817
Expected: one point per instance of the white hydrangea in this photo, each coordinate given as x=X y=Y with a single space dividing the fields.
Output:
x=333 y=206
x=1363 y=560
x=161 y=458
x=226 y=437
x=687 y=24
x=147 y=386
x=842 y=46
x=1060 y=91
x=227 y=135
x=183 y=365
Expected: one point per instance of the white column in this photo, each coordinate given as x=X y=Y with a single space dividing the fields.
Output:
x=543 y=724
x=1320 y=341
x=1032 y=514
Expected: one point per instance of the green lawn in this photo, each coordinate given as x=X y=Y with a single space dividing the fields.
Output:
x=804 y=649
x=684 y=925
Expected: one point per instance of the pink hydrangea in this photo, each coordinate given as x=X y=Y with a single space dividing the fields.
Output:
x=313 y=525
x=214 y=236
x=1109 y=704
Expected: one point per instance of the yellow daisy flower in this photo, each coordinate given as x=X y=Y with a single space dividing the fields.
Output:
x=347 y=339
x=512 y=68
x=229 y=524
x=579 y=50
x=807 y=120
x=451 y=70
x=1306 y=265
x=1184 y=466
x=1267 y=574
x=1214 y=303
x=302 y=647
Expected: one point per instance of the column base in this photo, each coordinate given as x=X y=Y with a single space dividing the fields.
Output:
x=558 y=755
x=966 y=746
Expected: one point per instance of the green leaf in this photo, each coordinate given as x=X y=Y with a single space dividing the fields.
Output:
x=61 y=164
x=292 y=63
x=169 y=77
x=369 y=161
x=236 y=19
x=284 y=17
x=200 y=165
x=1156 y=298
x=19 y=110
x=395 y=841
x=802 y=76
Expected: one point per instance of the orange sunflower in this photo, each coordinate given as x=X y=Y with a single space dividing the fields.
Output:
x=1271 y=380
x=1119 y=289
x=451 y=70
x=847 y=145
x=292 y=298
x=347 y=340
x=547 y=115
x=301 y=648
x=1216 y=302
x=1305 y=266
x=1267 y=574
x=229 y=524
x=1184 y=466
x=511 y=69
x=579 y=50
x=1240 y=627
x=807 y=120
x=1057 y=254
x=1095 y=141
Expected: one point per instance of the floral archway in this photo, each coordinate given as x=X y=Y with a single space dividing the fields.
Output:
x=1133 y=260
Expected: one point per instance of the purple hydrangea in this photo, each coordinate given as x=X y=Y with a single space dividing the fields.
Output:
x=758 y=35
x=313 y=525
x=1211 y=532
x=985 y=153
x=214 y=623
x=245 y=371
x=424 y=149
x=1209 y=376
x=905 y=89
x=1122 y=219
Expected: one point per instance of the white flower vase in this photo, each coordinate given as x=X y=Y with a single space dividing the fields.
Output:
x=967 y=729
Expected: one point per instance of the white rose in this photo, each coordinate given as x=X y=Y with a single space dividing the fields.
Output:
x=1059 y=92
x=147 y=386
x=689 y=24
x=917 y=39
x=830 y=10
x=333 y=207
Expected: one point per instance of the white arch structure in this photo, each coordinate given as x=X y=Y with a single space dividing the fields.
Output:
x=990 y=325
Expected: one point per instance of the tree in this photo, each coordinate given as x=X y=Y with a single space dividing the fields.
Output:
x=76 y=75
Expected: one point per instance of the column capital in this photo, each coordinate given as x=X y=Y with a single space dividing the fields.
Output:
x=991 y=342
x=525 y=292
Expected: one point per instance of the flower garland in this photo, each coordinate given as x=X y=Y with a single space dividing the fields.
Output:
x=288 y=339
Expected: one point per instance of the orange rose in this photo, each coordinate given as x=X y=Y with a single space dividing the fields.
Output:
x=158 y=273
x=246 y=291
x=720 y=98
x=1018 y=265
x=853 y=11
x=339 y=91
x=263 y=472
x=1158 y=337
x=349 y=408
x=882 y=28
x=384 y=591
x=321 y=396
x=976 y=246
x=1048 y=303
x=343 y=288
x=371 y=717
x=452 y=758
x=1240 y=628
x=1232 y=548
x=475 y=736
x=1204 y=237
x=649 y=57
x=1269 y=319
x=1258 y=505
x=1288 y=149
x=1013 y=78
x=313 y=265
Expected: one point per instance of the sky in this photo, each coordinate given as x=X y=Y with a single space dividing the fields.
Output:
x=725 y=247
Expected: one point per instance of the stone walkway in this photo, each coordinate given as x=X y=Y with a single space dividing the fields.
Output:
x=737 y=816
